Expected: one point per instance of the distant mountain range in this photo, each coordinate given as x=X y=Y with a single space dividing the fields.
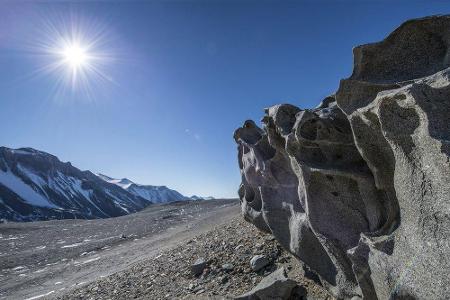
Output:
x=36 y=185
x=155 y=194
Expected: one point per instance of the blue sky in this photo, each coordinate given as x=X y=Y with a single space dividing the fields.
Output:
x=181 y=76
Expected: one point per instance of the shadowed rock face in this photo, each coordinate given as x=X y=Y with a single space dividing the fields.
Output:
x=358 y=189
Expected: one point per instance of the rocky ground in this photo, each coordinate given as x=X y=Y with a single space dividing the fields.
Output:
x=227 y=249
x=50 y=258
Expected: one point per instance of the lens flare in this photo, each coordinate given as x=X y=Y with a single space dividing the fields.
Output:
x=76 y=54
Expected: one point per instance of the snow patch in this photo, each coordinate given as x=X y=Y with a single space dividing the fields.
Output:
x=88 y=261
x=15 y=184
x=156 y=194
x=36 y=179
x=72 y=245
x=40 y=296
x=21 y=152
x=123 y=183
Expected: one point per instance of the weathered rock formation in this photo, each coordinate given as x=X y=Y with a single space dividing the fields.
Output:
x=358 y=188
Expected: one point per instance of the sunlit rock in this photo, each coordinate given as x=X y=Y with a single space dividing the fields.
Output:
x=358 y=188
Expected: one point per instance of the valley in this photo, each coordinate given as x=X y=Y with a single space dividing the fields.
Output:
x=49 y=258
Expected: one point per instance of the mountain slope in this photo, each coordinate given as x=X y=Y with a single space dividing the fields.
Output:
x=156 y=194
x=35 y=185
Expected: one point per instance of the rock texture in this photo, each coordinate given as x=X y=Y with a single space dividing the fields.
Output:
x=358 y=188
x=198 y=266
x=258 y=262
x=274 y=286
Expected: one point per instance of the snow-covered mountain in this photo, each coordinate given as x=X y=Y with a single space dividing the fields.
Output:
x=35 y=185
x=155 y=194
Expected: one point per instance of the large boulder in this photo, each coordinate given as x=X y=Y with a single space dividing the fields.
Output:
x=358 y=188
x=274 y=286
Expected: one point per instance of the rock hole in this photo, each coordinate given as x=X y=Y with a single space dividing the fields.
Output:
x=335 y=194
x=329 y=177
x=249 y=194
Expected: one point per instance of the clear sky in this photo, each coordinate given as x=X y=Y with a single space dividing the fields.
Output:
x=176 y=78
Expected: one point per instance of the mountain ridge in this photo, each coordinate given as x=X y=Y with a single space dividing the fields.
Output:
x=36 y=185
x=154 y=193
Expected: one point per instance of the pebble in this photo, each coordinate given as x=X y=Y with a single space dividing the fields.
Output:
x=258 y=262
x=227 y=267
x=198 y=266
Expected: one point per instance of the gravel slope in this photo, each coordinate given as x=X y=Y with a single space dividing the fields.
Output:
x=53 y=257
x=168 y=275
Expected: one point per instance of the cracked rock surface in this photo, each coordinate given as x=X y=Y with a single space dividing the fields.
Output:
x=358 y=189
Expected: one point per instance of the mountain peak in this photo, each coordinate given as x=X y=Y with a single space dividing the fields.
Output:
x=125 y=181
x=25 y=151
x=153 y=193
x=35 y=185
x=103 y=176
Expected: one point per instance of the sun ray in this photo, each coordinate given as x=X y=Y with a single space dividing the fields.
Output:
x=75 y=52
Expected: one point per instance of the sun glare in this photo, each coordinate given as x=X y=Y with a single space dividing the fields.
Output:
x=75 y=56
x=77 y=53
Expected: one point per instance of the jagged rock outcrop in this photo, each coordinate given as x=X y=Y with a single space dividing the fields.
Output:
x=358 y=189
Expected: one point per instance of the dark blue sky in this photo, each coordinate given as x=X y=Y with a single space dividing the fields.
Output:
x=182 y=76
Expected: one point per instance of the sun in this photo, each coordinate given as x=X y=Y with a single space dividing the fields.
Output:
x=77 y=53
x=77 y=60
x=75 y=56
